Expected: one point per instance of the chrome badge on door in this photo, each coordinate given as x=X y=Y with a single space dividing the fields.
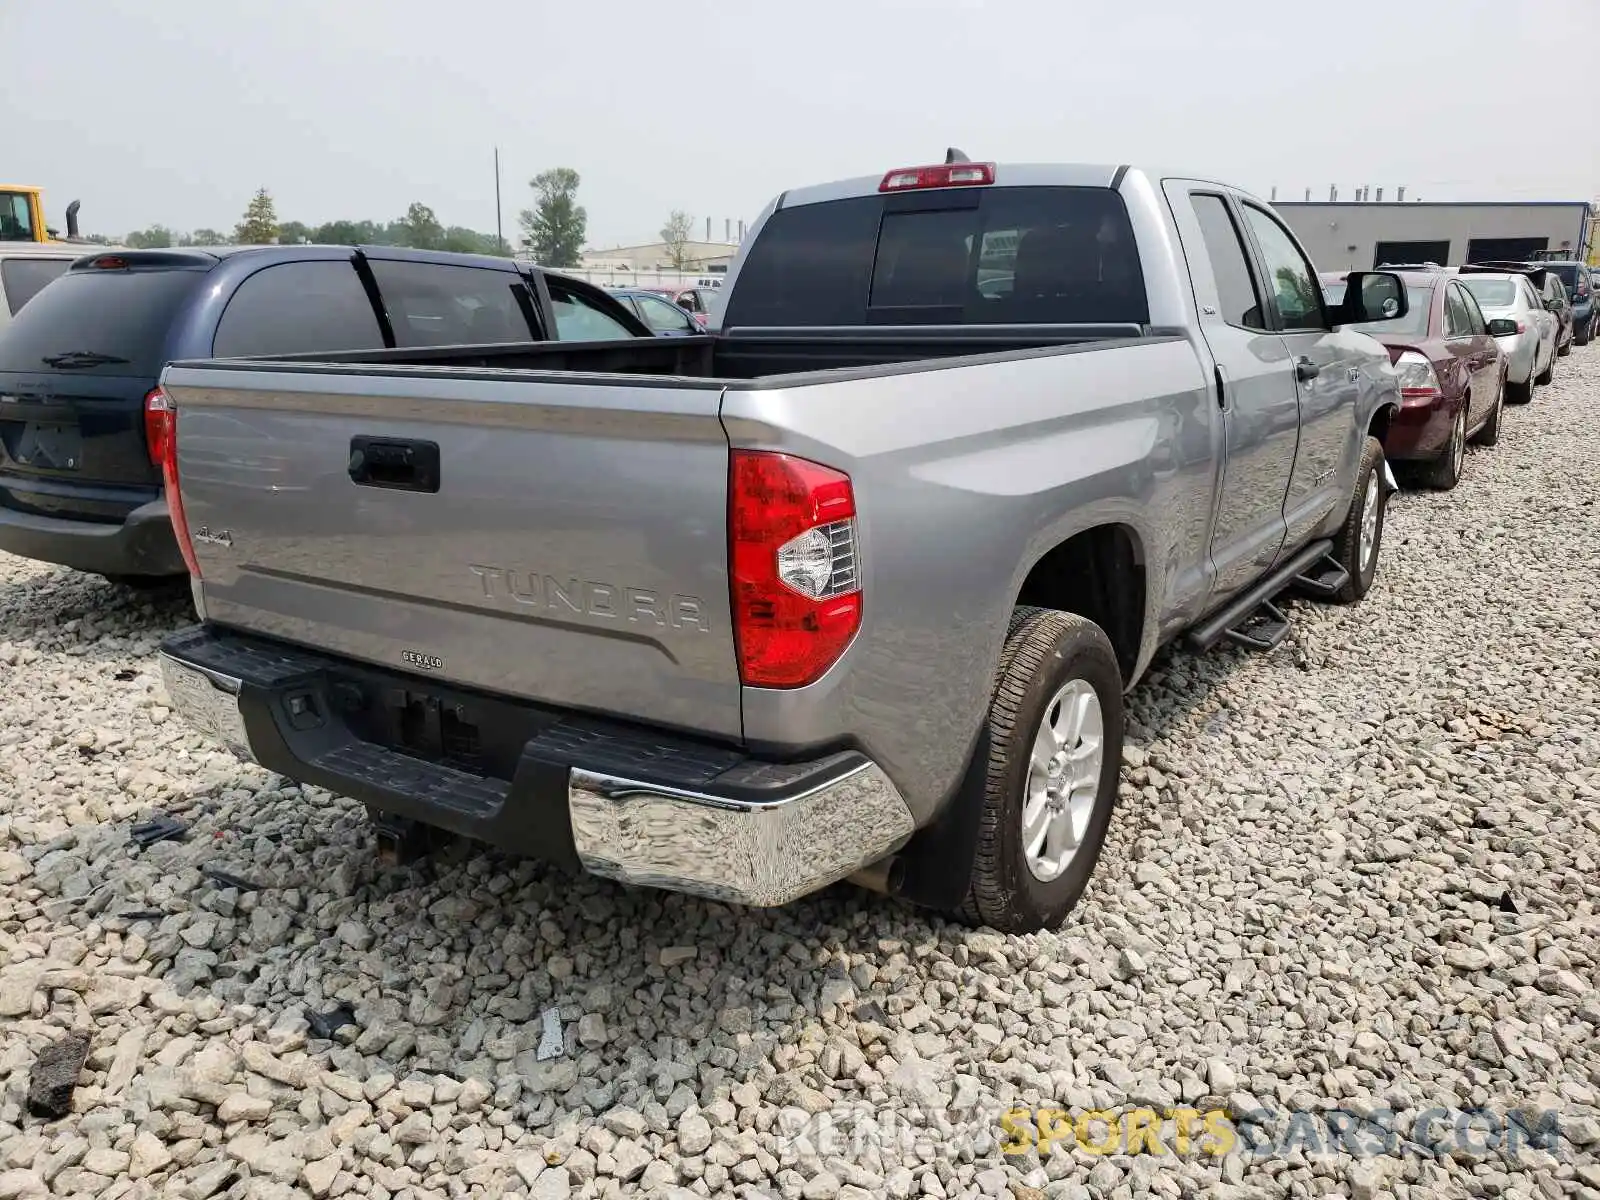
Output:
x=423 y=662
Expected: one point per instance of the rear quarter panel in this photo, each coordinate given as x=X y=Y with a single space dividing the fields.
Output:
x=965 y=477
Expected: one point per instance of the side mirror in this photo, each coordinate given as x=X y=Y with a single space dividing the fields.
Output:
x=1502 y=327
x=1371 y=296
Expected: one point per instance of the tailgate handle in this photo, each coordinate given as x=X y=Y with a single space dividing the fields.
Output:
x=399 y=463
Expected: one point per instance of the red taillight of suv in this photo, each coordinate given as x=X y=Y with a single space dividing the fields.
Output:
x=795 y=578
x=161 y=434
x=159 y=419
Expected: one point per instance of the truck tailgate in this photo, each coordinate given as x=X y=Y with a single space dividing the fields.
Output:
x=564 y=542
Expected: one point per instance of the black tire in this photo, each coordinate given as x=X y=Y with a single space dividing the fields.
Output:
x=1347 y=542
x=1444 y=472
x=1490 y=433
x=1044 y=652
x=1563 y=351
x=1521 y=393
x=1581 y=336
x=1548 y=375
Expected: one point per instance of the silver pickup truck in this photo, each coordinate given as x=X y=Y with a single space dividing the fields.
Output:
x=852 y=586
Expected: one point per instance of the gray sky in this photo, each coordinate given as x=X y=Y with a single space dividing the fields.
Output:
x=174 y=111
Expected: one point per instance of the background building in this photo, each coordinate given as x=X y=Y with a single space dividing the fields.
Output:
x=707 y=257
x=1358 y=234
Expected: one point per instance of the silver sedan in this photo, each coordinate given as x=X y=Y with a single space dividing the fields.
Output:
x=1531 y=351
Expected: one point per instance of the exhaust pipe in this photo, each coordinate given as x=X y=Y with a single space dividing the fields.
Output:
x=881 y=876
x=72 y=218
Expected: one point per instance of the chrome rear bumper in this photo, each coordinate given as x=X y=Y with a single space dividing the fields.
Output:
x=748 y=846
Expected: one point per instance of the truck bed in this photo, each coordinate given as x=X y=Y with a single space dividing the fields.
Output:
x=743 y=356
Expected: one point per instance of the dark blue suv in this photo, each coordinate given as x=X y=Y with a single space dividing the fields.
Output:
x=80 y=414
x=1575 y=276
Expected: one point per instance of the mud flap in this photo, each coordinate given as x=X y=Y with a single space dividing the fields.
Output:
x=934 y=868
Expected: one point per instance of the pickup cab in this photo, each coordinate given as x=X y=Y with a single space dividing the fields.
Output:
x=850 y=587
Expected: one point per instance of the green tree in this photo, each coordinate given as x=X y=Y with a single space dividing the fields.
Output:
x=260 y=224
x=349 y=233
x=420 y=229
x=204 y=237
x=157 y=237
x=292 y=233
x=462 y=240
x=676 y=235
x=554 y=228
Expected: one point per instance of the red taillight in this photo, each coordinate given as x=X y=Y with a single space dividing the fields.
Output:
x=795 y=580
x=159 y=422
x=908 y=179
x=161 y=432
x=110 y=262
x=1418 y=382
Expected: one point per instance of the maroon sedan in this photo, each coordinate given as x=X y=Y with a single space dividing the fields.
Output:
x=1452 y=373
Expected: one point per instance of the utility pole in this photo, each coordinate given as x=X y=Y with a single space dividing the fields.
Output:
x=499 y=235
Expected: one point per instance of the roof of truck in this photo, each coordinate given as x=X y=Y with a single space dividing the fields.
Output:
x=1005 y=175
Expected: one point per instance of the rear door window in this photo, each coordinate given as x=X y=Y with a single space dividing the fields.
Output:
x=298 y=308
x=435 y=304
x=1236 y=287
x=968 y=256
x=1456 y=322
x=112 y=322
x=578 y=320
x=1475 y=322
x=24 y=278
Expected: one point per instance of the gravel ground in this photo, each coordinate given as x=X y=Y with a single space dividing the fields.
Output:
x=1357 y=874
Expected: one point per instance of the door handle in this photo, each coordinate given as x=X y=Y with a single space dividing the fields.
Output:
x=1305 y=370
x=401 y=464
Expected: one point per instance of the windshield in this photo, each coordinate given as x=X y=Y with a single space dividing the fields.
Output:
x=1420 y=300
x=16 y=217
x=1492 y=293
x=99 y=322
x=1568 y=274
x=1414 y=322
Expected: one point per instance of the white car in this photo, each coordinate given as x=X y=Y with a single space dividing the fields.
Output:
x=25 y=267
x=1531 y=351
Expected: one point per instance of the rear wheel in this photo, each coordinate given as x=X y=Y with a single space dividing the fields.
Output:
x=1582 y=336
x=1547 y=376
x=1521 y=393
x=1490 y=433
x=1444 y=472
x=1360 y=538
x=1564 y=350
x=1055 y=756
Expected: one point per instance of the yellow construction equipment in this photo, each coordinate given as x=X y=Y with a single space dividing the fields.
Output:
x=22 y=216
